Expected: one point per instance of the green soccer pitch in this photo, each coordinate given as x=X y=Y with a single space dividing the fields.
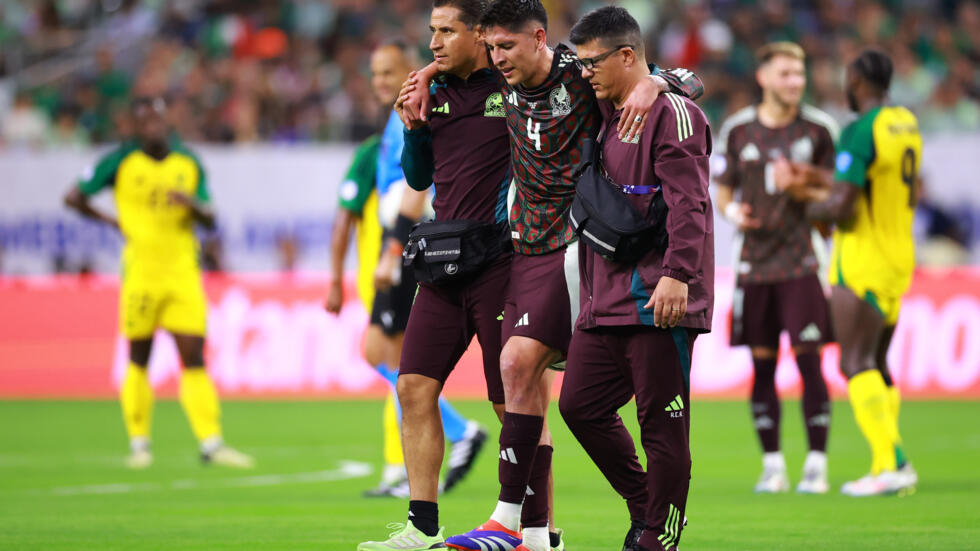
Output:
x=63 y=484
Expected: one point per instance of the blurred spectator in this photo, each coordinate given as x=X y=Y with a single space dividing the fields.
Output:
x=294 y=70
x=67 y=133
x=24 y=124
x=950 y=109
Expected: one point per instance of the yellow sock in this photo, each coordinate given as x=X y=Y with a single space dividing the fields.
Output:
x=392 y=434
x=894 y=401
x=136 y=397
x=869 y=398
x=200 y=402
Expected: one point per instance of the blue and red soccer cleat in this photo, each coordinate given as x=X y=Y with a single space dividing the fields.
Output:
x=491 y=535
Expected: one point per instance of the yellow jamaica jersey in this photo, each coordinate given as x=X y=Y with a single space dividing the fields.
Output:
x=359 y=195
x=161 y=284
x=874 y=252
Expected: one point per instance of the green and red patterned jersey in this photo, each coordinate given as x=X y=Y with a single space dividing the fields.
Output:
x=548 y=127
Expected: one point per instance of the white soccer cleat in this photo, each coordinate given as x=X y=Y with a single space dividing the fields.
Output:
x=885 y=483
x=772 y=482
x=225 y=456
x=773 y=479
x=139 y=459
x=814 y=479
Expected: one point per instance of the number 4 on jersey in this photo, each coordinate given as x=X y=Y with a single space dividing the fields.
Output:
x=534 y=133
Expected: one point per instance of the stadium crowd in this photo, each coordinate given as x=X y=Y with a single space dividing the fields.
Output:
x=296 y=71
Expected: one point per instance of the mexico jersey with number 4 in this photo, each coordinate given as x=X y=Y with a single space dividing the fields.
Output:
x=548 y=126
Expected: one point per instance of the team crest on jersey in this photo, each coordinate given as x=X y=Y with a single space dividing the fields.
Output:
x=561 y=101
x=843 y=161
x=495 y=106
x=750 y=153
x=801 y=150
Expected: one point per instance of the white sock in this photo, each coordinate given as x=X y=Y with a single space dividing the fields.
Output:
x=536 y=539
x=211 y=444
x=509 y=514
x=139 y=443
x=815 y=461
x=773 y=461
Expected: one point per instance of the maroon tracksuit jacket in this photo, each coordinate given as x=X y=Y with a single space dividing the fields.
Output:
x=672 y=153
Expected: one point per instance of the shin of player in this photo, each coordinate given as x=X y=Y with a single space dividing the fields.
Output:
x=639 y=320
x=779 y=255
x=161 y=283
x=871 y=195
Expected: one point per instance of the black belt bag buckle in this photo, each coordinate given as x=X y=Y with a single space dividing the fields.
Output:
x=441 y=253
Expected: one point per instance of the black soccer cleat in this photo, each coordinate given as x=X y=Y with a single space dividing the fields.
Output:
x=633 y=536
x=462 y=456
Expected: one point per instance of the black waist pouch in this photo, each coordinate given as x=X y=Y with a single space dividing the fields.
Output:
x=453 y=251
x=604 y=218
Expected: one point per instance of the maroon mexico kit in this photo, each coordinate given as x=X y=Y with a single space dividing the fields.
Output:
x=548 y=128
x=616 y=352
x=464 y=153
x=777 y=265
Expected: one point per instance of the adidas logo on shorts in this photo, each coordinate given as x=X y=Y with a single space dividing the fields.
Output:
x=522 y=321
x=811 y=333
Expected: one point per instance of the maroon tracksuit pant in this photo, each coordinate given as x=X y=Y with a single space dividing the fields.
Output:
x=606 y=367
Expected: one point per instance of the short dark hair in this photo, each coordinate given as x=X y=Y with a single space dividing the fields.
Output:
x=611 y=25
x=876 y=67
x=514 y=14
x=470 y=11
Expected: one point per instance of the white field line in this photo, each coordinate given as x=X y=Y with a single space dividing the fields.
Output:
x=347 y=470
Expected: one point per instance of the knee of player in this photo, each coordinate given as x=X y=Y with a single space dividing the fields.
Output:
x=514 y=372
x=373 y=355
x=852 y=365
x=416 y=391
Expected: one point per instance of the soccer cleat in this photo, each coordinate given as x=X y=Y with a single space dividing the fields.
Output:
x=397 y=489
x=633 y=535
x=226 y=456
x=489 y=535
x=772 y=481
x=139 y=459
x=561 y=540
x=406 y=537
x=885 y=483
x=911 y=478
x=463 y=454
x=814 y=482
x=814 y=479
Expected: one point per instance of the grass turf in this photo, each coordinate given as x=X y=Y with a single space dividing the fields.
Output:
x=62 y=484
